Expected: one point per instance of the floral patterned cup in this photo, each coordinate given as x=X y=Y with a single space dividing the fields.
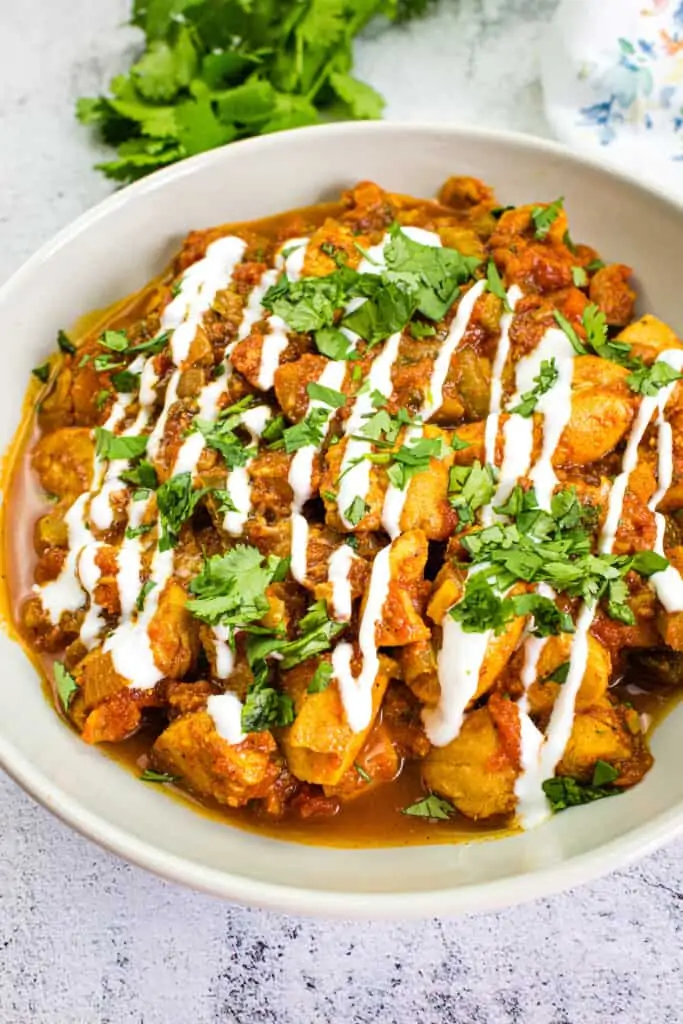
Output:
x=613 y=82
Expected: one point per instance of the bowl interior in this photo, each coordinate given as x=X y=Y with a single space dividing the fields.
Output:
x=117 y=248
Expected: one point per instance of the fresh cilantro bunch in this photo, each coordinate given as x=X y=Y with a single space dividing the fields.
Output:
x=217 y=70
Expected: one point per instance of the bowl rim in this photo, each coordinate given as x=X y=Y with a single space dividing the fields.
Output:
x=481 y=896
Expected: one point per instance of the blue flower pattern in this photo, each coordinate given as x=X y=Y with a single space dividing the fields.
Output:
x=626 y=89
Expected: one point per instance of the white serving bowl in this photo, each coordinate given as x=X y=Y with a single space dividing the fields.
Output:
x=116 y=248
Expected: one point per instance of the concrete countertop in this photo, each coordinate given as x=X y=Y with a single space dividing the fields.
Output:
x=87 y=939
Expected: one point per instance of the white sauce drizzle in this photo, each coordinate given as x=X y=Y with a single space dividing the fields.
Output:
x=237 y=484
x=338 y=570
x=356 y=691
x=276 y=340
x=301 y=472
x=459 y=663
x=225 y=657
x=395 y=497
x=514 y=294
x=456 y=333
x=226 y=711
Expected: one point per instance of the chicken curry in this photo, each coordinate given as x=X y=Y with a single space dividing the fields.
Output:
x=362 y=523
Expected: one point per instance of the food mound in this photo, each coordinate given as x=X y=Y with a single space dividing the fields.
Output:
x=381 y=489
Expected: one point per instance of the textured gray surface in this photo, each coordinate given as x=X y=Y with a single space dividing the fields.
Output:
x=86 y=939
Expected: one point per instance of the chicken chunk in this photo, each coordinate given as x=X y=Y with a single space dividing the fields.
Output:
x=208 y=765
x=473 y=770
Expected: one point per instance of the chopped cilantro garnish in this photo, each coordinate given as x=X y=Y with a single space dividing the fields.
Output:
x=552 y=547
x=328 y=396
x=458 y=445
x=231 y=588
x=143 y=475
x=265 y=708
x=321 y=678
x=579 y=277
x=495 y=285
x=119 y=446
x=356 y=510
x=545 y=380
x=274 y=429
x=224 y=502
x=176 y=501
x=413 y=458
x=65 y=343
x=361 y=772
x=545 y=216
x=149 y=775
x=115 y=341
x=418 y=329
x=564 y=791
x=649 y=379
x=138 y=531
x=220 y=434
x=106 y=362
x=594 y=265
x=101 y=398
x=42 y=372
x=65 y=684
x=145 y=589
x=570 y=331
x=469 y=488
x=558 y=675
x=310 y=431
x=334 y=344
x=125 y=382
x=430 y=807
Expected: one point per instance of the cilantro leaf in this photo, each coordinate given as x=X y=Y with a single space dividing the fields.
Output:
x=328 y=396
x=579 y=277
x=413 y=458
x=545 y=380
x=176 y=501
x=145 y=589
x=65 y=684
x=309 y=431
x=143 y=475
x=231 y=588
x=333 y=343
x=115 y=341
x=431 y=806
x=119 y=446
x=545 y=216
x=125 y=382
x=265 y=708
x=496 y=286
x=469 y=488
x=65 y=344
x=570 y=331
x=149 y=775
x=564 y=791
x=42 y=372
x=433 y=273
x=649 y=379
x=356 y=510
x=361 y=100
x=321 y=678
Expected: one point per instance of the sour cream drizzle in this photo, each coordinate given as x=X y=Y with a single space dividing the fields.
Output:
x=356 y=691
x=301 y=472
